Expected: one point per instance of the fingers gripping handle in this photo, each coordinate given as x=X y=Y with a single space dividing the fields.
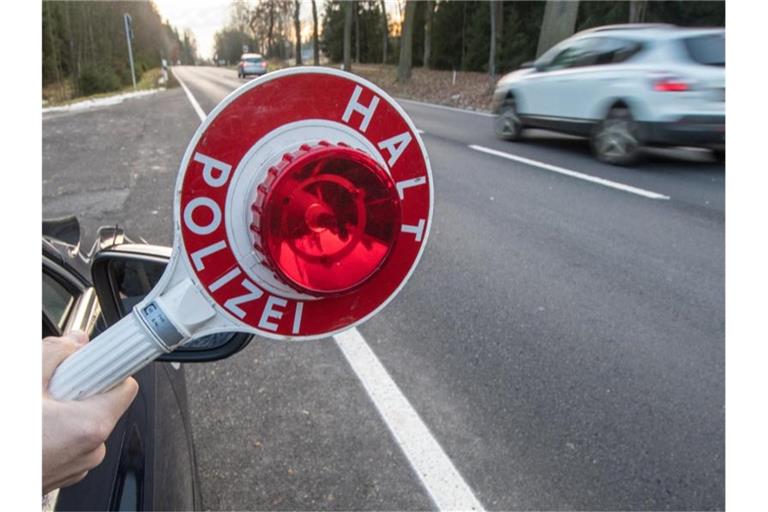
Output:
x=154 y=327
x=117 y=353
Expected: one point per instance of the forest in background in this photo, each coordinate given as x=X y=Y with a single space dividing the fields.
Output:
x=85 y=49
x=447 y=34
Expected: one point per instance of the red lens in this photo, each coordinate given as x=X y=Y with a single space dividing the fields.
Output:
x=326 y=218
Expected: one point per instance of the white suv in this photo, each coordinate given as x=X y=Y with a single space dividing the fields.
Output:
x=624 y=86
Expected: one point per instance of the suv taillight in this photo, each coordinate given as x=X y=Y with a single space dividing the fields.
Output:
x=671 y=85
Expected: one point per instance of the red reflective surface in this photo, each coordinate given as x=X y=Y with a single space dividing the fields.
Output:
x=326 y=219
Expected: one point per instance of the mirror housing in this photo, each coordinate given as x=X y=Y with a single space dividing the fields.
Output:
x=527 y=64
x=122 y=275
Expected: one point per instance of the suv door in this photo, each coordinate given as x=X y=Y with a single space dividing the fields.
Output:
x=549 y=90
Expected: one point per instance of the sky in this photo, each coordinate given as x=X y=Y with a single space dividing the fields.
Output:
x=206 y=17
x=203 y=17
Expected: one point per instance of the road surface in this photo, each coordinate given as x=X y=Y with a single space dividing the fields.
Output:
x=562 y=339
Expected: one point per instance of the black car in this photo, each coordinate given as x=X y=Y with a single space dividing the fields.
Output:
x=150 y=461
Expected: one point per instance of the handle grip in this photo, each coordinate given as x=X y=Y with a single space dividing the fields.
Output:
x=107 y=360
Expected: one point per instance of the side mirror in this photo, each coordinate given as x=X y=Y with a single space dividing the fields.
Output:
x=124 y=274
x=527 y=64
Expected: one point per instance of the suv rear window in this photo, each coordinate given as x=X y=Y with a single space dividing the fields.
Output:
x=708 y=50
x=254 y=60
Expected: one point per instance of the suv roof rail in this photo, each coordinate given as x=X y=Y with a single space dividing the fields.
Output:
x=629 y=26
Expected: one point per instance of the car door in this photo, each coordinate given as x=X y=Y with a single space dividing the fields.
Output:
x=152 y=433
x=552 y=89
x=600 y=74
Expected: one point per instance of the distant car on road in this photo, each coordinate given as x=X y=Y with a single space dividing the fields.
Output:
x=623 y=86
x=251 y=64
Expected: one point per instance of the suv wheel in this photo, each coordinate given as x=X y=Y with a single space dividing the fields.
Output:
x=615 y=140
x=507 y=124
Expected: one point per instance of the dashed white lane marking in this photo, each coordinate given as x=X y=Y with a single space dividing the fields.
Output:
x=192 y=100
x=562 y=170
x=445 y=107
x=438 y=475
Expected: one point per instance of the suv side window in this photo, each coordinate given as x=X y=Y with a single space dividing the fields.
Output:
x=580 y=53
x=613 y=51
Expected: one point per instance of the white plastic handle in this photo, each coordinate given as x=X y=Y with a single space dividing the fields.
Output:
x=107 y=360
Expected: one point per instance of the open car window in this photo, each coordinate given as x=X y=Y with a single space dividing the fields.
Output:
x=57 y=301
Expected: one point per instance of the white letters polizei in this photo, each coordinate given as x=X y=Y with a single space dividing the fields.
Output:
x=355 y=106
x=209 y=164
x=207 y=203
x=233 y=304
x=198 y=255
x=224 y=279
x=396 y=145
x=270 y=312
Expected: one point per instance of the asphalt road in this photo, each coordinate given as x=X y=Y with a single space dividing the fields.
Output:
x=562 y=340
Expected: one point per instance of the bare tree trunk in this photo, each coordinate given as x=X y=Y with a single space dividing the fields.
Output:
x=270 y=30
x=463 y=34
x=347 y=36
x=53 y=45
x=386 y=32
x=637 y=10
x=315 y=39
x=428 y=32
x=297 y=28
x=499 y=21
x=492 y=55
x=406 y=43
x=559 y=23
x=357 y=33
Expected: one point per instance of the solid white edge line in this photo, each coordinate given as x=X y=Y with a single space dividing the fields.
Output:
x=445 y=107
x=438 y=475
x=561 y=170
x=200 y=112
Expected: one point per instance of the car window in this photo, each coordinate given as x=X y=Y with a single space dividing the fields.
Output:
x=580 y=53
x=708 y=50
x=610 y=50
x=57 y=301
x=252 y=60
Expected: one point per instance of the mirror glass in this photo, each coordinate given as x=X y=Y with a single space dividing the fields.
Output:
x=132 y=279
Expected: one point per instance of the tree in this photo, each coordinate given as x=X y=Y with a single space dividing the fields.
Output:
x=637 y=10
x=430 y=7
x=315 y=39
x=385 y=32
x=492 y=53
x=297 y=27
x=348 y=35
x=406 y=43
x=559 y=23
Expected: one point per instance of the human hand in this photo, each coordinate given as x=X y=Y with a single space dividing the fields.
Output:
x=74 y=432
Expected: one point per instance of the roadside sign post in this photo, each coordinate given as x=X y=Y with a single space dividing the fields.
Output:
x=128 y=22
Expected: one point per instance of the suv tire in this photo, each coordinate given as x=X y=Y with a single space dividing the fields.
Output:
x=615 y=140
x=507 y=124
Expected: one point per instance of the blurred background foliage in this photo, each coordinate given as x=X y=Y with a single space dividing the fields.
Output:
x=84 y=46
x=85 y=50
